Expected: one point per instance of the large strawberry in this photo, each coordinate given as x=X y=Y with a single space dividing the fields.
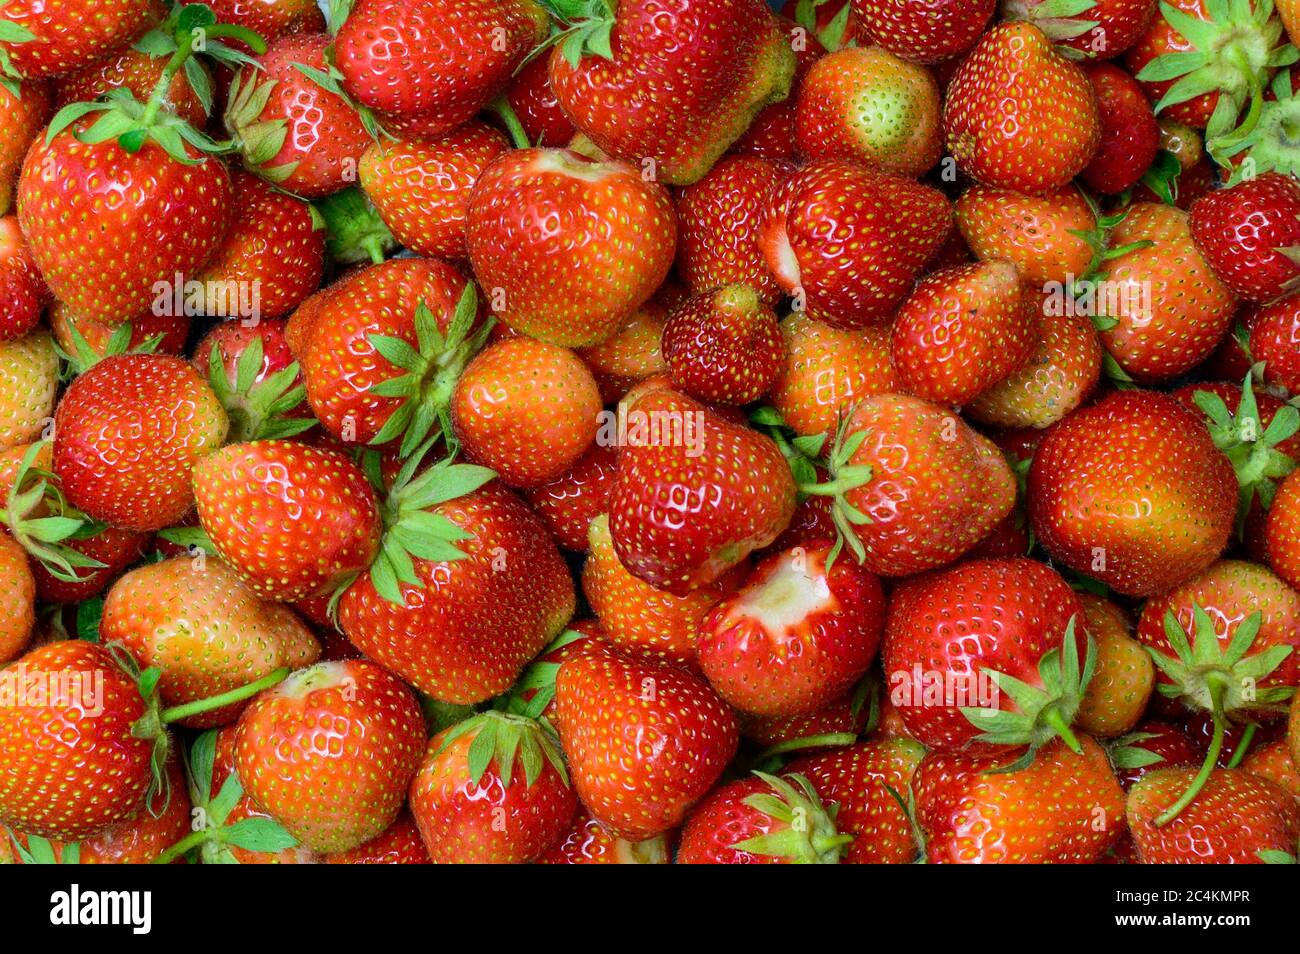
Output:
x=566 y=248
x=669 y=87
x=924 y=32
x=53 y=37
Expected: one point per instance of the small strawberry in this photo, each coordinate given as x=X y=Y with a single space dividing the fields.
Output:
x=640 y=784
x=23 y=294
x=631 y=355
x=398 y=844
x=1037 y=234
x=18 y=595
x=492 y=790
x=1273 y=761
x=724 y=347
x=836 y=724
x=1275 y=340
x=1121 y=687
x=109 y=551
x=568 y=504
x=253 y=374
x=53 y=37
x=1249 y=234
x=338 y=797
x=1130 y=137
x=1018 y=115
x=591 y=843
x=25 y=107
x=924 y=32
x=533 y=102
x=1098 y=29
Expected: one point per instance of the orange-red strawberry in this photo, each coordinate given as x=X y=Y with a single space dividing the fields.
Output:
x=838 y=723
x=18 y=595
x=893 y=223
x=640 y=784
x=1236 y=816
x=1064 y=808
x=865 y=103
x=569 y=503
x=53 y=37
x=293 y=520
x=29 y=380
x=674 y=87
x=1121 y=687
x=23 y=294
x=526 y=409
x=421 y=188
x=336 y=797
x=534 y=104
x=566 y=248
x=718 y=222
x=398 y=844
x=86 y=341
x=138 y=72
x=205 y=631
x=696 y=492
x=724 y=347
x=1037 y=234
x=1129 y=134
x=771 y=134
x=588 y=842
x=857 y=780
x=492 y=790
x=1275 y=340
x=631 y=355
x=796 y=635
x=1102 y=29
x=1018 y=115
x=1282 y=531
x=1133 y=492
x=1273 y=761
x=128 y=434
x=1249 y=234
x=924 y=32
x=961 y=331
x=23 y=113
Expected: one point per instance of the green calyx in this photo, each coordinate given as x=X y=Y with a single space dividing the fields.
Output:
x=42 y=522
x=331 y=80
x=806 y=834
x=1098 y=241
x=830 y=36
x=257 y=409
x=579 y=28
x=39 y=851
x=500 y=739
x=1059 y=20
x=1251 y=447
x=431 y=372
x=1126 y=752
x=259 y=140
x=1277 y=857
x=1043 y=712
x=539 y=679
x=354 y=231
x=1162 y=175
x=844 y=476
x=11 y=34
x=82 y=357
x=1271 y=144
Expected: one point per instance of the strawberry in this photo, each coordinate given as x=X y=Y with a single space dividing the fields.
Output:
x=294 y=521
x=1273 y=761
x=718 y=222
x=1274 y=335
x=1120 y=689
x=569 y=503
x=533 y=102
x=23 y=293
x=1236 y=817
x=337 y=798
x=631 y=355
x=961 y=331
x=84 y=342
x=696 y=492
x=253 y=374
x=492 y=790
x=837 y=723
x=1249 y=233
x=1282 y=531
x=440 y=61
x=771 y=134
x=138 y=72
x=128 y=434
x=422 y=188
x=826 y=22
x=858 y=780
x=112 y=549
x=640 y=784
x=526 y=409
x=798 y=634
x=398 y=844
x=1129 y=134
x=18 y=594
x=1096 y=28
x=762 y=819
x=1133 y=492
x=673 y=88
x=639 y=618
x=204 y=629
x=567 y=248
x=53 y=37
x=270 y=19
x=1037 y=234
x=827 y=371
x=588 y=842
x=1018 y=115
x=26 y=108
x=867 y=104
x=1064 y=808
x=924 y=32
x=724 y=346
x=291 y=130
x=1153 y=745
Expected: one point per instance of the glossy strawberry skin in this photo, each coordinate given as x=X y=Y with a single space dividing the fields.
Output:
x=1034 y=233
x=270 y=19
x=723 y=820
x=1118 y=25
x=924 y=32
x=724 y=347
x=137 y=72
x=1159 y=39
x=568 y=504
x=829 y=205
x=1244 y=232
x=173 y=331
x=1129 y=134
x=631 y=355
x=330 y=751
x=18 y=590
x=24 y=116
x=588 y=842
x=23 y=294
x=539 y=112
x=99 y=775
x=293 y=520
x=70 y=34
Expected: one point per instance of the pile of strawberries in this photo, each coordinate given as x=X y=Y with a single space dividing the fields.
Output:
x=590 y=431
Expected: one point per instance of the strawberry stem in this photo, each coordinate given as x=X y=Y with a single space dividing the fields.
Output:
x=193 y=840
x=826 y=740
x=1054 y=719
x=518 y=135
x=199 y=706
x=1217 y=687
x=1243 y=747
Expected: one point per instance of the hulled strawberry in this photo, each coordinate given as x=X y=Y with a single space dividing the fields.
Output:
x=924 y=32
x=1018 y=115
x=566 y=248
x=1037 y=234
x=23 y=294
x=724 y=347
x=569 y=503
x=53 y=37
x=1249 y=234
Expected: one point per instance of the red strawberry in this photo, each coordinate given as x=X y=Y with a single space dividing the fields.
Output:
x=696 y=492
x=837 y=723
x=1152 y=745
x=86 y=341
x=724 y=346
x=1273 y=761
x=830 y=205
x=591 y=843
x=643 y=783
x=1133 y=492
x=1249 y=234
x=795 y=636
x=672 y=87
x=1120 y=689
x=1235 y=818
x=533 y=101
x=112 y=548
x=631 y=355
x=565 y=248
x=924 y=32
x=128 y=434
x=1102 y=29
x=294 y=521
x=869 y=105
x=1018 y=115
x=422 y=188
x=252 y=372
x=1275 y=340
x=1037 y=234
x=398 y=844
x=270 y=19
x=23 y=294
x=138 y=72
x=771 y=134
x=492 y=790
x=526 y=409
x=53 y=37
x=1129 y=134
x=961 y=331
x=568 y=504
x=718 y=222
x=829 y=22
x=18 y=594
x=1282 y=531
x=439 y=61
x=23 y=114
x=1064 y=808
x=336 y=797
x=204 y=630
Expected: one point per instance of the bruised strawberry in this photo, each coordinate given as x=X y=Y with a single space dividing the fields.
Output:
x=1129 y=134
x=724 y=347
x=23 y=294
x=53 y=37
x=1018 y=115
x=1037 y=234
x=924 y=32
x=588 y=842
x=1249 y=234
